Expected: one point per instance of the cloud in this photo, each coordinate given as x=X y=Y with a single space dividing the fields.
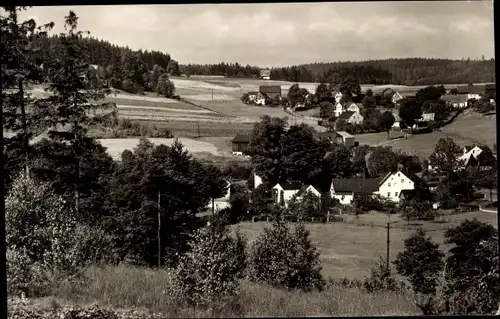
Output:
x=284 y=34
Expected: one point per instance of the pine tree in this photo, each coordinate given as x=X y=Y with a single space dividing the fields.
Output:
x=66 y=111
x=19 y=70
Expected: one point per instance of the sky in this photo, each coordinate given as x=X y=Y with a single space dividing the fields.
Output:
x=279 y=34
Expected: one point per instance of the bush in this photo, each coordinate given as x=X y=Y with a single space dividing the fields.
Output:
x=40 y=232
x=206 y=276
x=285 y=259
x=381 y=279
x=366 y=203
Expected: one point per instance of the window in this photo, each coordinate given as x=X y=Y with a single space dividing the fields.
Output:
x=388 y=194
x=402 y=180
x=389 y=184
x=396 y=194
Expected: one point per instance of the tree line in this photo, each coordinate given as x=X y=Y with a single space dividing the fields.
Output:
x=221 y=69
x=408 y=71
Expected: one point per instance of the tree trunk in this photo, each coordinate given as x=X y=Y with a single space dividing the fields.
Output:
x=213 y=206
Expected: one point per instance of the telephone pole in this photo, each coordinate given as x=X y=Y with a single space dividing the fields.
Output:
x=388 y=241
x=159 y=228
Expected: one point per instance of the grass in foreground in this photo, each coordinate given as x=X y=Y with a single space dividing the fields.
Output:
x=131 y=287
x=352 y=249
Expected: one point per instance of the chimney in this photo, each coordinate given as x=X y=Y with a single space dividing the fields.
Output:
x=401 y=167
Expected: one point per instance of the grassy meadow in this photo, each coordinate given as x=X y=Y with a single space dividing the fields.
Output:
x=125 y=287
x=351 y=248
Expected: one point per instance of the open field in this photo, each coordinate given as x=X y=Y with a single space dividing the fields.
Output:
x=350 y=250
x=145 y=290
x=473 y=127
x=116 y=146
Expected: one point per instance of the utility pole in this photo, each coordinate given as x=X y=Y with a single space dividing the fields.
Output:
x=159 y=228
x=388 y=241
x=198 y=130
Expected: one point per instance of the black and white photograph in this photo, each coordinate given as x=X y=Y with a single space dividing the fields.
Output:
x=235 y=160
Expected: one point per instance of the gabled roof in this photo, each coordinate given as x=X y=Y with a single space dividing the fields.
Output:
x=290 y=186
x=270 y=89
x=356 y=185
x=414 y=178
x=241 y=138
x=253 y=93
x=327 y=134
x=346 y=115
x=459 y=98
x=265 y=72
x=304 y=188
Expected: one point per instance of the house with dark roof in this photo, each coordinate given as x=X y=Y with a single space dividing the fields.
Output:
x=456 y=101
x=240 y=144
x=344 y=189
x=388 y=187
x=283 y=192
x=471 y=91
x=265 y=74
x=350 y=117
x=270 y=91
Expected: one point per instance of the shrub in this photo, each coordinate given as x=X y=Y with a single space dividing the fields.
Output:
x=206 y=275
x=381 y=279
x=40 y=232
x=366 y=203
x=285 y=259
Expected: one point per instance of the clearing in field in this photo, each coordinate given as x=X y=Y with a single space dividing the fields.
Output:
x=116 y=146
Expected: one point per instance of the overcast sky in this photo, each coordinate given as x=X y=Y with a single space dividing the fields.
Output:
x=295 y=33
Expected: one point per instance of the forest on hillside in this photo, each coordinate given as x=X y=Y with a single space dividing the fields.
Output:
x=130 y=70
x=409 y=71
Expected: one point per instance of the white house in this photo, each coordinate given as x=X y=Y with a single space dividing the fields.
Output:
x=353 y=107
x=388 y=187
x=394 y=183
x=428 y=116
x=284 y=192
x=396 y=97
x=470 y=153
x=257 y=180
x=344 y=189
x=337 y=95
x=265 y=74
x=308 y=189
x=338 y=109
x=457 y=101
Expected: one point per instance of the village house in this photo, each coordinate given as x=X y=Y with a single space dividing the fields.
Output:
x=428 y=117
x=283 y=192
x=350 y=117
x=471 y=91
x=240 y=143
x=456 y=101
x=265 y=74
x=331 y=136
x=338 y=109
x=347 y=139
x=344 y=189
x=307 y=189
x=270 y=91
x=223 y=202
x=472 y=156
x=388 y=187
x=353 y=107
x=396 y=97
x=337 y=95
x=252 y=96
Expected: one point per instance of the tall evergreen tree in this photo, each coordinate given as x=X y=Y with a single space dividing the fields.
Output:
x=19 y=70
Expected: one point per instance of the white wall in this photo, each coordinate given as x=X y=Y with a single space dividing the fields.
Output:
x=256 y=180
x=392 y=186
x=287 y=194
x=345 y=199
